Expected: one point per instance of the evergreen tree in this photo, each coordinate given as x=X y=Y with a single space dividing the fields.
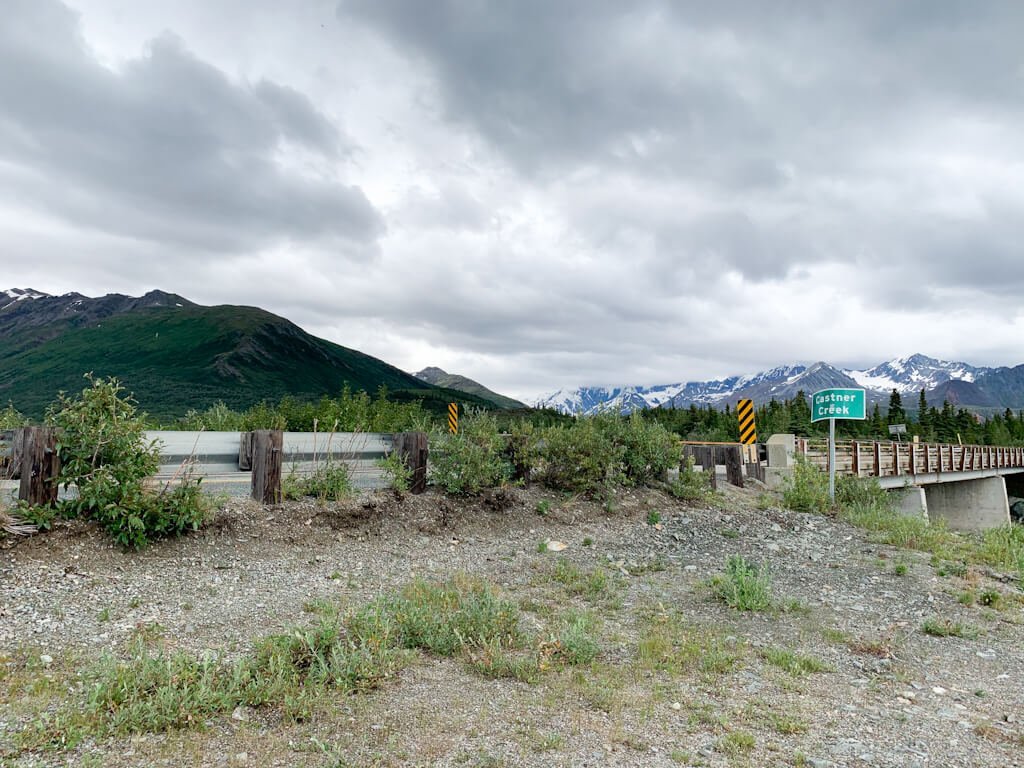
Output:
x=923 y=419
x=877 y=424
x=896 y=413
x=799 y=415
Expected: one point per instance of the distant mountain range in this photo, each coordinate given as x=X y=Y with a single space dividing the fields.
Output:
x=962 y=384
x=174 y=354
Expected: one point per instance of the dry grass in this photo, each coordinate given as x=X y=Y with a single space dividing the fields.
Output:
x=14 y=526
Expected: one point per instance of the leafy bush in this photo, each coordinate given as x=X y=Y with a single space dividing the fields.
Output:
x=581 y=458
x=104 y=453
x=523 y=447
x=650 y=449
x=467 y=463
x=745 y=586
x=861 y=492
x=691 y=484
x=598 y=452
x=806 y=489
x=11 y=419
x=397 y=472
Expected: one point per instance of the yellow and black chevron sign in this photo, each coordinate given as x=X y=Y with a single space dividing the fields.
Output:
x=453 y=418
x=748 y=429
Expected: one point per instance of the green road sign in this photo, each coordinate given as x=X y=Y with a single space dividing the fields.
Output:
x=838 y=404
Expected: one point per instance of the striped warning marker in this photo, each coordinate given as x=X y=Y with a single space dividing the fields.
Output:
x=453 y=418
x=748 y=429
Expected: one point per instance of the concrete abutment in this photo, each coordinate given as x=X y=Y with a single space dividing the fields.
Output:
x=969 y=505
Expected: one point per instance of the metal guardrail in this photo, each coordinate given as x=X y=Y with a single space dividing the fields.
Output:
x=218 y=455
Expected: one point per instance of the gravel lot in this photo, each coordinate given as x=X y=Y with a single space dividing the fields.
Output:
x=889 y=694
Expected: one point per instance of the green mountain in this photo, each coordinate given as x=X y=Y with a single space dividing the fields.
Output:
x=440 y=378
x=175 y=355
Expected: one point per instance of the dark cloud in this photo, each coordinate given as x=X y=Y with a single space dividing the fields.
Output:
x=165 y=147
x=781 y=132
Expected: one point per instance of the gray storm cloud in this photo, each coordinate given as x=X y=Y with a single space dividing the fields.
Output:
x=534 y=194
x=165 y=147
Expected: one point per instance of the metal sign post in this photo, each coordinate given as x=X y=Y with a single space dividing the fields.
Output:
x=832 y=459
x=835 y=404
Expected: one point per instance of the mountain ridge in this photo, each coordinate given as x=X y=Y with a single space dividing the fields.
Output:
x=174 y=354
x=440 y=378
x=963 y=384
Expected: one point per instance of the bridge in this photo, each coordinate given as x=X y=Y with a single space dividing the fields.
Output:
x=967 y=486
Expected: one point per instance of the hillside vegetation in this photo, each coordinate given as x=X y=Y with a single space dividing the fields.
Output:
x=181 y=357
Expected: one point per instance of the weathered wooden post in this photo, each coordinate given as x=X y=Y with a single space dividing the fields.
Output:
x=412 y=447
x=267 y=456
x=733 y=465
x=39 y=465
x=245 y=451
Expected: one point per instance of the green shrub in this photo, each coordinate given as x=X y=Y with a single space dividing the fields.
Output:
x=650 y=449
x=397 y=472
x=598 y=452
x=104 y=453
x=470 y=462
x=861 y=492
x=806 y=488
x=937 y=626
x=11 y=419
x=745 y=586
x=581 y=458
x=691 y=485
x=523 y=447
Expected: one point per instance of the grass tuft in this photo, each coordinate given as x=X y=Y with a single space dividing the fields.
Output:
x=745 y=586
x=940 y=627
x=794 y=663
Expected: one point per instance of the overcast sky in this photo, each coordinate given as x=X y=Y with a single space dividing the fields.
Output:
x=535 y=194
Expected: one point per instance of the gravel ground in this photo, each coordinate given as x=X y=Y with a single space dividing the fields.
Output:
x=890 y=694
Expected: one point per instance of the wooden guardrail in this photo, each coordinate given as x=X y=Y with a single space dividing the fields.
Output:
x=893 y=459
x=734 y=456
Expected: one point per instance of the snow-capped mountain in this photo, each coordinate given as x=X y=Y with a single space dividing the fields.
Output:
x=595 y=399
x=914 y=373
x=15 y=295
x=905 y=374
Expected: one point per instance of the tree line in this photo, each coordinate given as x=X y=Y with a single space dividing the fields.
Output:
x=352 y=411
x=936 y=425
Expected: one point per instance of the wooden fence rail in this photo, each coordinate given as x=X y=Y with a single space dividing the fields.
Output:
x=892 y=459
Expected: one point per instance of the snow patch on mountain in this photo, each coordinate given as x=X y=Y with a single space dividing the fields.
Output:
x=14 y=295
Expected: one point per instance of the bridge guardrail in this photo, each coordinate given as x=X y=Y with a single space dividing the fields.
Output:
x=872 y=458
